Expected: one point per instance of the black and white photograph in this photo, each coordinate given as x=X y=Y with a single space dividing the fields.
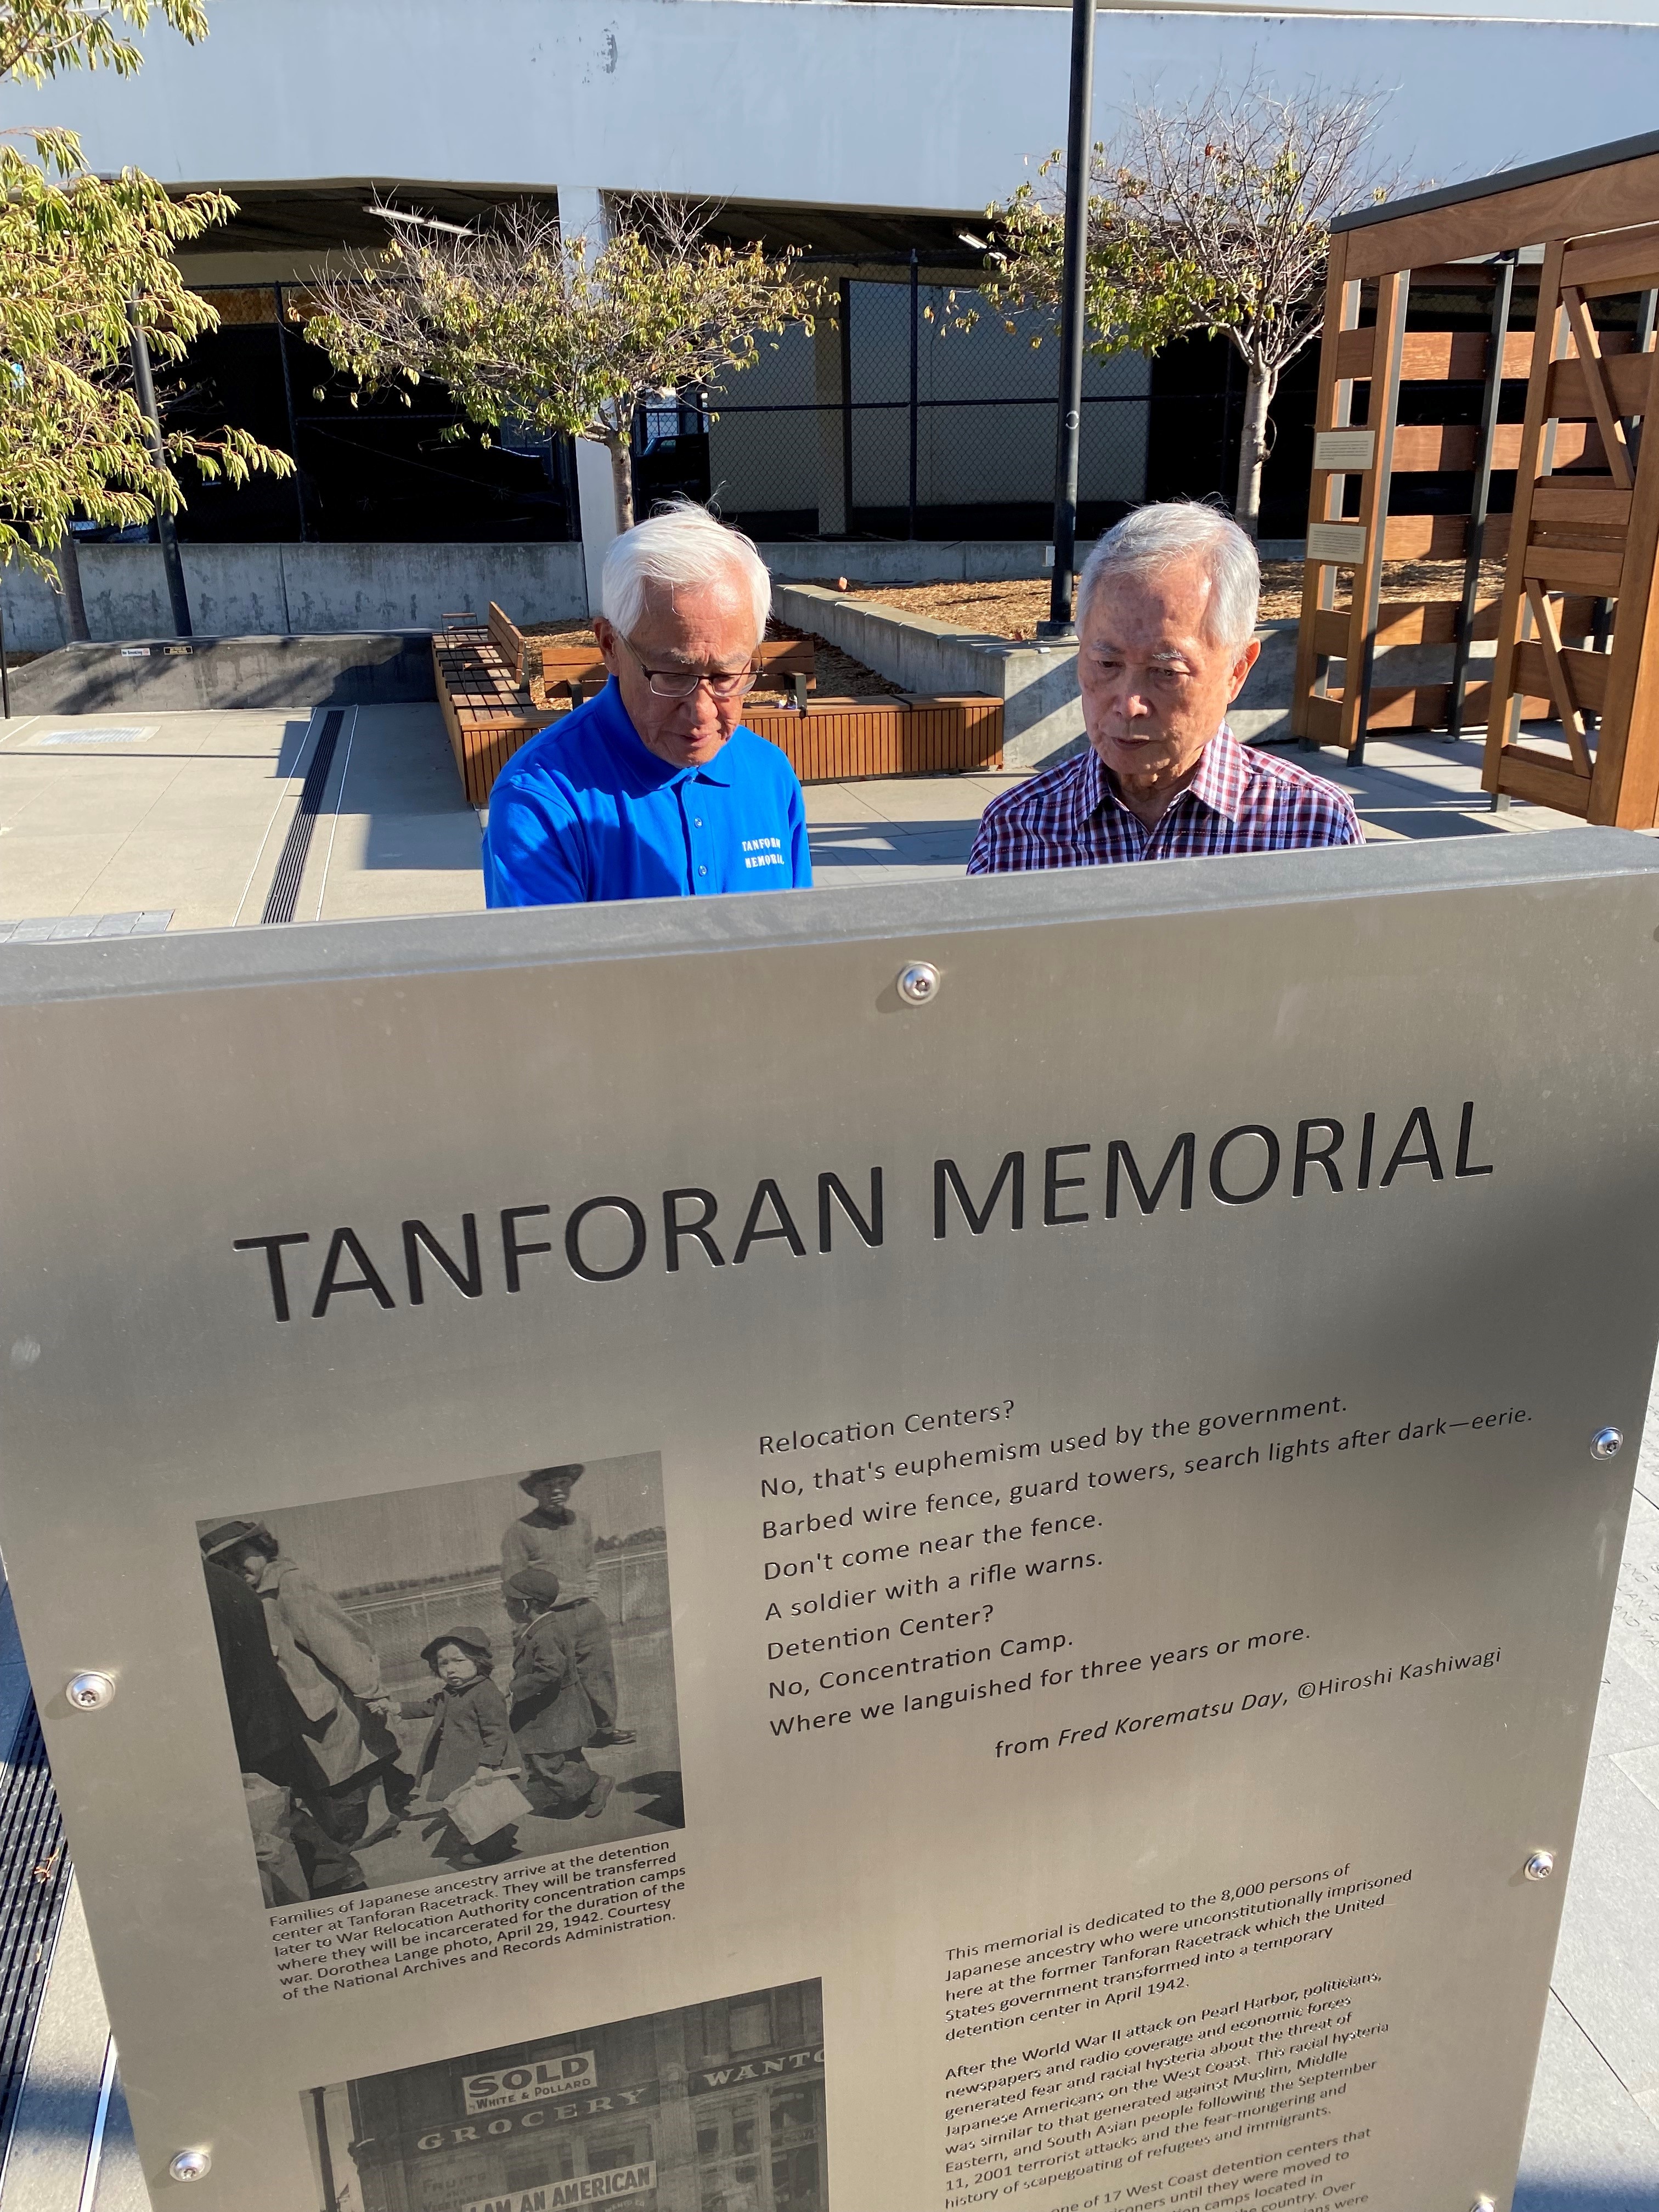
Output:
x=428 y=1681
x=715 y=2107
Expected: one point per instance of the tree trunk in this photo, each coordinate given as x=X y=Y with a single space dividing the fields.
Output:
x=622 y=470
x=69 y=575
x=1253 y=447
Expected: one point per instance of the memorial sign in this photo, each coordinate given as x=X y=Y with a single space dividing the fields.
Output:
x=764 y=1554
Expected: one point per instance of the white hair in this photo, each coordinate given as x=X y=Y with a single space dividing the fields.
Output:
x=1169 y=531
x=683 y=544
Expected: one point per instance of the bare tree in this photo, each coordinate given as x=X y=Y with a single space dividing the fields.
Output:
x=1213 y=215
x=524 y=324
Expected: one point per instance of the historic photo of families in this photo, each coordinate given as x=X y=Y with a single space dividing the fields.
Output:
x=430 y=1680
x=716 y=2107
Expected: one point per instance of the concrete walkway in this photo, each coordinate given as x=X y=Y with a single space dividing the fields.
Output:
x=180 y=820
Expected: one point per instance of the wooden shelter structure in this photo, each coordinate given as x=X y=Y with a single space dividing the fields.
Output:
x=1579 y=546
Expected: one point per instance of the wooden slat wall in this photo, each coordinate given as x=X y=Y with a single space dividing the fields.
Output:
x=832 y=740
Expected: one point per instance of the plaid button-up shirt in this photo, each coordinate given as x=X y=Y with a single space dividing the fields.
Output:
x=1240 y=801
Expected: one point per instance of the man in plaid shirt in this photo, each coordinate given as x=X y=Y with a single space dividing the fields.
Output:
x=1166 y=620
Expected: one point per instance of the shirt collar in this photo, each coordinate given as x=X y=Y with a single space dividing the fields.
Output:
x=1218 y=784
x=644 y=768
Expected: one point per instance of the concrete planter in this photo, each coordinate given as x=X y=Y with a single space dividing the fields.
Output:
x=263 y=590
x=361 y=669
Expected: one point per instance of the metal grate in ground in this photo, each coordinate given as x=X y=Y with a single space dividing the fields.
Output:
x=35 y=1880
x=285 y=886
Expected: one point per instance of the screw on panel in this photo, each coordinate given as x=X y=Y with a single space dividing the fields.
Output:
x=190 y=2164
x=1606 y=1443
x=1539 y=1866
x=89 y=1692
x=918 y=984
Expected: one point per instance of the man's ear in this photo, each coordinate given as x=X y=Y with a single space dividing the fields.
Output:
x=605 y=632
x=1242 y=666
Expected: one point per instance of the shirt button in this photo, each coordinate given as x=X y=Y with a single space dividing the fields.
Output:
x=703 y=871
x=696 y=820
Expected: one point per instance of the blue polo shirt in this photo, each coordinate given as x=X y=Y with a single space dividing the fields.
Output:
x=586 y=811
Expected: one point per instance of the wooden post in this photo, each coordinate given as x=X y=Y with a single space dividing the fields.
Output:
x=1625 y=783
x=1332 y=410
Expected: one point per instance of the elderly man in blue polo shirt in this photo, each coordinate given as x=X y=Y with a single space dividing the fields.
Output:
x=655 y=789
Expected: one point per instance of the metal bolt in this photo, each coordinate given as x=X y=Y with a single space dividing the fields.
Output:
x=918 y=984
x=1539 y=1866
x=87 y=1692
x=190 y=2164
x=1606 y=1443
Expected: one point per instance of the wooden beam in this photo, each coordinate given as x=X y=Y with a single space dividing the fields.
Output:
x=1625 y=383
x=1544 y=780
x=1355 y=348
x=1596 y=379
x=1564 y=568
x=1611 y=198
x=1441 y=537
x=1560 y=688
x=1502 y=721
x=1620 y=261
x=1553 y=501
x=1460 y=356
x=1587 y=671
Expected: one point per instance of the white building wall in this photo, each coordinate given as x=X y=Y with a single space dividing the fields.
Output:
x=827 y=101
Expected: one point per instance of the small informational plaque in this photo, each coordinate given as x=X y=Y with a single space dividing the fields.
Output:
x=1343 y=449
x=1336 y=541
x=659 y=1574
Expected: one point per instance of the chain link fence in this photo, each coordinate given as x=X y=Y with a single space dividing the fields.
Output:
x=894 y=420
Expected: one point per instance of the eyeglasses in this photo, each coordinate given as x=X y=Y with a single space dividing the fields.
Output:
x=684 y=683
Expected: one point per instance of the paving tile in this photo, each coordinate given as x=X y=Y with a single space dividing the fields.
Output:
x=1590 y=2147
x=1604 y=1963
x=46 y=2165
x=1641 y=1764
x=1627 y=1711
x=1635 y=1632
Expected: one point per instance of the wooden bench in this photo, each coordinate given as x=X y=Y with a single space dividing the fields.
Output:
x=497 y=688
x=575 y=671
x=487 y=708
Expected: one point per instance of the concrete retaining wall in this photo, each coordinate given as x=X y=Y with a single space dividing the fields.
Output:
x=274 y=591
x=963 y=560
x=1042 y=713
x=357 y=670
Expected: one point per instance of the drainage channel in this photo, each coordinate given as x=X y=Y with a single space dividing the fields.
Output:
x=35 y=1879
x=285 y=886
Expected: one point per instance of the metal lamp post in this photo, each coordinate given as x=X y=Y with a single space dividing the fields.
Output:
x=144 y=389
x=1059 y=624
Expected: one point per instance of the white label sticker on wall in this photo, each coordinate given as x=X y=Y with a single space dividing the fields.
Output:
x=1343 y=449
x=1336 y=541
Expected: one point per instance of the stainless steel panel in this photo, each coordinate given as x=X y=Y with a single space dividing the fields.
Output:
x=1321 y=1967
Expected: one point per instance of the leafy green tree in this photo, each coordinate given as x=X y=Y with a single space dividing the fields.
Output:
x=1212 y=216
x=79 y=254
x=525 y=325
